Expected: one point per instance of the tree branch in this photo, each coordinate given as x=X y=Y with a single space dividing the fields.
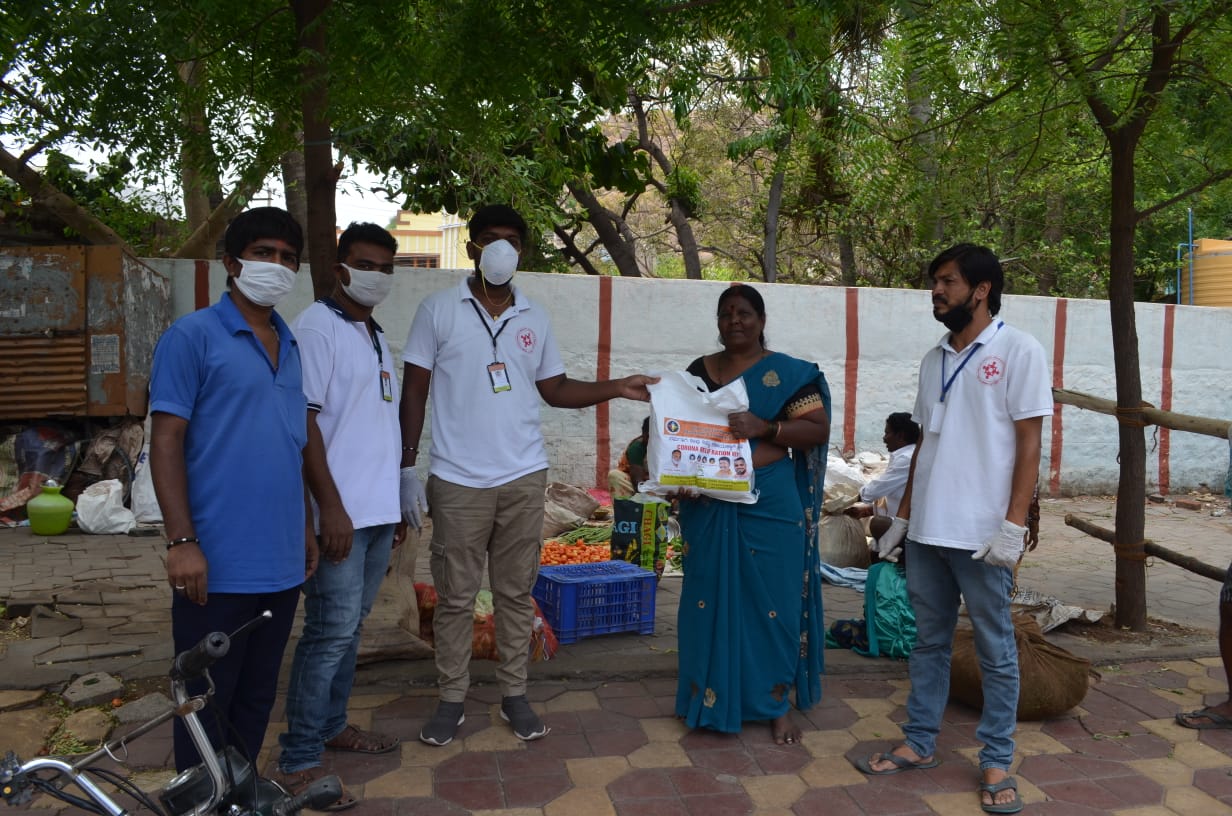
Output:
x=1214 y=178
x=45 y=194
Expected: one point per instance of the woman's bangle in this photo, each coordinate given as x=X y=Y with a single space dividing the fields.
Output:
x=409 y=447
x=773 y=433
x=185 y=540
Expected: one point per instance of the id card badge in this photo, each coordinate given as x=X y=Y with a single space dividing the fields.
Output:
x=938 y=416
x=499 y=378
x=387 y=386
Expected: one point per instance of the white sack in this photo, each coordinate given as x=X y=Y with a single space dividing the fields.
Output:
x=101 y=510
x=143 y=500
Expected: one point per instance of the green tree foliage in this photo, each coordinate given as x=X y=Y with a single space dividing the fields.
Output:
x=1131 y=85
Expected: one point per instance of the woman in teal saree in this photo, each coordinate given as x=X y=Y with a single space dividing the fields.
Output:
x=750 y=620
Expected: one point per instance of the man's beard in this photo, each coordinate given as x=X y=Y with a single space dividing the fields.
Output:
x=959 y=317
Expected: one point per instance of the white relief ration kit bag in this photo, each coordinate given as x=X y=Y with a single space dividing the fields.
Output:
x=691 y=446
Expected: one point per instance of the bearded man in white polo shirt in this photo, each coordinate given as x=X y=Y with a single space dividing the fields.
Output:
x=489 y=356
x=984 y=390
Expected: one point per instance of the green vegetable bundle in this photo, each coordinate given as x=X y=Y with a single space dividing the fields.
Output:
x=586 y=535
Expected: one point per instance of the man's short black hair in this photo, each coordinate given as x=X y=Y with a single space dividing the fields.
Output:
x=976 y=264
x=262 y=222
x=497 y=215
x=902 y=424
x=363 y=232
x=646 y=426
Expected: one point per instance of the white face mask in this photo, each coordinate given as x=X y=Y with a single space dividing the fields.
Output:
x=368 y=287
x=498 y=262
x=265 y=283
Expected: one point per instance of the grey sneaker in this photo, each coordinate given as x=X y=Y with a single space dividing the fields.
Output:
x=526 y=723
x=441 y=729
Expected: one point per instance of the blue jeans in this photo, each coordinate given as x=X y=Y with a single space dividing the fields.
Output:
x=935 y=578
x=336 y=601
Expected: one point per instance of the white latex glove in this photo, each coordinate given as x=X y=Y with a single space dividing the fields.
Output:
x=890 y=545
x=1003 y=549
x=414 y=499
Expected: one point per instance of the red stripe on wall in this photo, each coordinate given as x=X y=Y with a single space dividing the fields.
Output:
x=603 y=371
x=851 y=371
x=1058 y=381
x=201 y=285
x=1165 y=400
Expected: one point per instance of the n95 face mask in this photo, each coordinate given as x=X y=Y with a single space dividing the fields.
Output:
x=498 y=262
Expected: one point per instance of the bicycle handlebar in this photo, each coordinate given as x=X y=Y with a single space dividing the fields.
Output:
x=193 y=662
x=15 y=787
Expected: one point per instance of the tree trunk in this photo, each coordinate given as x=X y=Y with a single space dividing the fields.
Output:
x=770 y=247
x=202 y=243
x=320 y=179
x=931 y=223
x=619 y=246
x=847 y=257
x=1054 y=233
x=198 y=164
x=1131 y=489
x=687 y=241
x=677 y=215
x=294 y=183
x=569 y=247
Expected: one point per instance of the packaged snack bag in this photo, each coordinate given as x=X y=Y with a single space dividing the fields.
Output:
x=640 y=532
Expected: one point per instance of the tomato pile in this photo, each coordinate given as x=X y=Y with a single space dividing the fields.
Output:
x=556 y=551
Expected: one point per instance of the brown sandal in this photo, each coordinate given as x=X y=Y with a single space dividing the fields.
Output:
x=294 y=782
x=358 y=741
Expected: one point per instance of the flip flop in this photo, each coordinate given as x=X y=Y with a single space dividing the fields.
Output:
x=993 y=788
x=1194 y=719
x=901 y=763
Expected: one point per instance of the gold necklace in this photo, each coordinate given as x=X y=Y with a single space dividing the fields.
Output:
x=494 y=309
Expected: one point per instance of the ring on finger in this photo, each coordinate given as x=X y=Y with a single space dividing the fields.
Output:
x=180 y=588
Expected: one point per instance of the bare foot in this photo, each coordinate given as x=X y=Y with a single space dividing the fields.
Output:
x=879 y=764
x=1002 y=797
x=784 y=730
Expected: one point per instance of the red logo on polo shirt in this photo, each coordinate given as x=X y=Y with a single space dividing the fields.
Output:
x=526 y=340
x=991 y=370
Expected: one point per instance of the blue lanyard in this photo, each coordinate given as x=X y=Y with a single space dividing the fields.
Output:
x=945 y=384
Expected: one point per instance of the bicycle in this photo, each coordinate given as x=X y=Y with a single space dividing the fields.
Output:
x=224 y=783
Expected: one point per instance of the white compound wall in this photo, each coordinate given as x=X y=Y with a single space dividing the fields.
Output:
x=867 y=341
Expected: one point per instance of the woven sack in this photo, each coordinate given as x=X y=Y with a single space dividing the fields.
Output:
x=841 y=542
x=1051 y=680
x=565 y=507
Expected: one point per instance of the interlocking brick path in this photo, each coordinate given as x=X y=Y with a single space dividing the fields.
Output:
x=615 y=747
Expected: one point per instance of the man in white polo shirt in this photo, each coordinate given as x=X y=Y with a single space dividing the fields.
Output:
x=984 y=390
x=351 y=466
x=489 y=355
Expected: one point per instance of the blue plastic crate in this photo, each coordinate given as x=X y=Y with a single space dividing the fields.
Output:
x=582 y=600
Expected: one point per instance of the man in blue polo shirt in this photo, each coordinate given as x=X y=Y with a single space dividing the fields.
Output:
x=229 y=425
